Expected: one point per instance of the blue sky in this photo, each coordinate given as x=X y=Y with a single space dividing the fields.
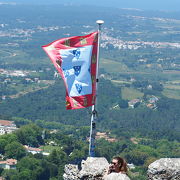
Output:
x=167 y=5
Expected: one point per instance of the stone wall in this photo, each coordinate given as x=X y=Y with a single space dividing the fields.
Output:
x=96 y=169
x=91 y=169
x=164 y=169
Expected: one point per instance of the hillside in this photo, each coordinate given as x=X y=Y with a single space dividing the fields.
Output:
x=49 y=105
x=139 y=53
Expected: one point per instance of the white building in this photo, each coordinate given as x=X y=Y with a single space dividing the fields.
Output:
x=7 y=127
x=133 y=102
x=35 y=150
x=8 y=164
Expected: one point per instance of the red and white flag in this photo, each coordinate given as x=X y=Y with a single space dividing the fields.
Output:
x=75 y=58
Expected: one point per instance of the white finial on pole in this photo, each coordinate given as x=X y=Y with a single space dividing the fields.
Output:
x=94 y=111
x=100 y=22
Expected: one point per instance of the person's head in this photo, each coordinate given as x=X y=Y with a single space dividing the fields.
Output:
x=118 y=164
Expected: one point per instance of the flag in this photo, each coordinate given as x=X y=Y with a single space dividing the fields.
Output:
x=75 y=58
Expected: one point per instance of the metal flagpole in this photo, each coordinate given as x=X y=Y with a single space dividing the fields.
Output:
x=94 y=112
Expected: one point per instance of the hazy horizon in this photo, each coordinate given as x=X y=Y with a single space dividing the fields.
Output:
x=167 y=5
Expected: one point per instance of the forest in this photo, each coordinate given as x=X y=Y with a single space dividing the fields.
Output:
x=72 y=148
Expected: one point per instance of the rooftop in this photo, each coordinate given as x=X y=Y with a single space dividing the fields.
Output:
x=9 y=162
x=6 y=123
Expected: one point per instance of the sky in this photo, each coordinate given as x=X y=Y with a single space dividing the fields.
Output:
x=165 y=5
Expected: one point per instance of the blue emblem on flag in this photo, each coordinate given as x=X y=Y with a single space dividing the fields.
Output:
x=77 y=70
x=76 y=53
x=79 y=88
x=66 y=73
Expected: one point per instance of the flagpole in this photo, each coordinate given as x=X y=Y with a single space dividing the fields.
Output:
x=94 y=111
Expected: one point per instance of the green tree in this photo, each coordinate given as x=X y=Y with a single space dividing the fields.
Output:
x=21 y=121
x=1 y=170
x=9 y=138
x=5 y=140
x=2 y=146
x=23 y=175
x=49 y=170
x=30 y=135
x=123 y=103
x=136 y=157
x=8 y=173
x=15 y=150
x=28 y=163
x=57 y=157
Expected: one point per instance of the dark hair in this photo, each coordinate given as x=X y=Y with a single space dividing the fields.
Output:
x=122 y=164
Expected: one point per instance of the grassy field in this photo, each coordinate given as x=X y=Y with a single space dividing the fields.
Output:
x=172 y=89
x=172 y=86
x=177 y=82
x=49 y=148
x=24 y=89
x=111 y=66
x=13 y=56
x=5 y=54
x=21 y=57
x=130 y=93
x=170 y=93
